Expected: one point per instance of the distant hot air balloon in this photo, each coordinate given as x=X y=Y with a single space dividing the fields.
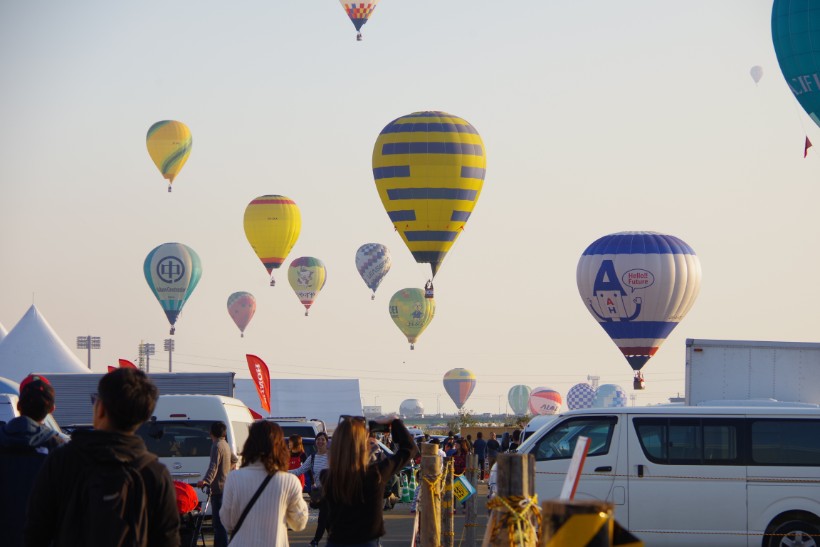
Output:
x=796 y=38
x=307 y=276
x=756 y=72
x=429 y=170
x=411 y=408
x=373 y=262
x=459 y=384
x=519 y=397
x=638 y=286
x=412 y=312
x=544 y=401
x=359 y=13
x=609 y=396
x=169 y=145
x=172 y=270
x=241 y=307
x=272 y=226
x=580 y=396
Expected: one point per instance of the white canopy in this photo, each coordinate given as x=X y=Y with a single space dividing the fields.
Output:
x=3 y=332
x=33 y=346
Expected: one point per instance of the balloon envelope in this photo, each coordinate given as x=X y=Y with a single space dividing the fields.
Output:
x=756 y=72
x=172 y=271
x=241 y=307
x=412 y=312
x=411 y=408
x=519 y=397
x=580 y=396
x=429 y=171
x=307 y=276
x=638 y=286
x=373 y=262
x=544 y=400
x=169 y=145
x=359 y=12
x=272 y=225
x=609 y=396
x=796 y=39
x=459 y=384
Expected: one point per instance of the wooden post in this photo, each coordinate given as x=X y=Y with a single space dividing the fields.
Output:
x=515 y=478
x=447 y=506
x=470 y=524
x=429 y=506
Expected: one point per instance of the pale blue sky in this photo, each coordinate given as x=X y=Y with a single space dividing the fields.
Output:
x=597 y=117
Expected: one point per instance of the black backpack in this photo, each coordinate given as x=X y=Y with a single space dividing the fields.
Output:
x=114 y=505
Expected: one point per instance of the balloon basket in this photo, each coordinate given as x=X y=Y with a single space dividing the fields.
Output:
x=373 y=296
x=412 y=346
x=169 y=188
x=306 y=313
x=242 y=335
x=359 y=37
x=272 y=282
x=173 y=329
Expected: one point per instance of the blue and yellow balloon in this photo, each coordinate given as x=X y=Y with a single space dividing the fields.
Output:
x=172 y=271
x=459 y=384
x=169 y=144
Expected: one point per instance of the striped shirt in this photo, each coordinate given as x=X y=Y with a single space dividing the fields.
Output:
x=319 y=462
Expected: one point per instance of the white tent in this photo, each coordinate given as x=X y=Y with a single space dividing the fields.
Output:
x=33 y=346
x=3 y=332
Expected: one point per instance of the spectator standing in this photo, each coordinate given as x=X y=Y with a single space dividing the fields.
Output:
x=24 y=444
x=493 y=448
x=280 y=504
x=516 y=440
x=317 y=465
x=222 y=461
x=354 y=488
x=71 y=503
x=480 y=449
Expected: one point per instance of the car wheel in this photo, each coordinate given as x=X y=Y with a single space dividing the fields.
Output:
x=795 y=533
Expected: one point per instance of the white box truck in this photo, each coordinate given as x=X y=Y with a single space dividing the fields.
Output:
x=748 y=370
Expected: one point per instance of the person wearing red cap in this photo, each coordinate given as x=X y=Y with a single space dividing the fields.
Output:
x=24 y=443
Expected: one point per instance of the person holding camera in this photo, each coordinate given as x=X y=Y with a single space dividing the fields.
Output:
x=354 y=487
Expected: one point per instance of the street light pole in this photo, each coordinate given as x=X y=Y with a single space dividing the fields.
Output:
x=169 y=347
x=89 y=343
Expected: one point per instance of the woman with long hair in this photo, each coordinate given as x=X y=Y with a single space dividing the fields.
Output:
x=316 y=464
x=279 y=506
x=354 y=487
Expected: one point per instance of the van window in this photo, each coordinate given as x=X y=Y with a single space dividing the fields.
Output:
x=559 y=442
x=241 y=430
x=679 y=441
x=169 y=439
x=786 y=442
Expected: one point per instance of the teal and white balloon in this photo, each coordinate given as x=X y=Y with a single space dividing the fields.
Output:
x=172 y=271
x=519 y=397
x=609 y=396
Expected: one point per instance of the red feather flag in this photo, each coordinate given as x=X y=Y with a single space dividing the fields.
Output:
x=261 y=379
x=125 y=363
x=806 y=147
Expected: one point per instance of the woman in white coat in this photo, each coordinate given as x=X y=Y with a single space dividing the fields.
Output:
x=279 y=506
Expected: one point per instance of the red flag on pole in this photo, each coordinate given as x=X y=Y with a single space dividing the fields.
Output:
x=261 y=379
x=125 y=363
x=806 y=147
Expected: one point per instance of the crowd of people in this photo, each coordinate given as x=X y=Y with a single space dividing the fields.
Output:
x=104 y=488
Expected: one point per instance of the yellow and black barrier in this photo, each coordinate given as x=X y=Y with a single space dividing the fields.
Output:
x=582 y=524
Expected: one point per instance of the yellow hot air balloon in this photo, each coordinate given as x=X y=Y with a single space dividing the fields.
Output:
x=169 y=145
x=429 y=169
x=412 y=312
x=272 y=226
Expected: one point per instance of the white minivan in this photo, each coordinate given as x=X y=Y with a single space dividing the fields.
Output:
x=729 y=476
x=179 y=431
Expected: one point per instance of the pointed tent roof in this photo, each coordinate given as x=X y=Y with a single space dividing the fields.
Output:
x=33 y=346
x=3 y=332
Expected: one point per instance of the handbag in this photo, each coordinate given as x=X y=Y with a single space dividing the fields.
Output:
x=248 y=507
x=315 y=491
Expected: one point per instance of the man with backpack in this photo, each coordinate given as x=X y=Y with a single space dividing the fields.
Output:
x=24 y=444
x=104 y=488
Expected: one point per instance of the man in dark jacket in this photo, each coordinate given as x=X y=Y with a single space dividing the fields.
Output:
x=70 y=504
x=24 y=444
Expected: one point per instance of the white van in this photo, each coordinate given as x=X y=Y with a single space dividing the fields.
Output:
x=179 y=431
x=535 y=424
x=733 y=476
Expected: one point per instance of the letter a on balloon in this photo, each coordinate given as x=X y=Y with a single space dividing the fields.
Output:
x=261 y=379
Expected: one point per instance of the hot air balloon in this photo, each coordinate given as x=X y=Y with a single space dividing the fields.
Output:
x=241 y=307
x=638 y=286
x=544 y=401
x=172 y=270
x=519 y=397
x=580 y=396
x=359 y=13
x=412 y=312
x=169 y=145
x=609 y=396
x=411 y=408
x=796 y=38
x=756 y=72
x=373 y=263
x=307 y=276
x=459 y=384
x=272 y=226
x=429 y=170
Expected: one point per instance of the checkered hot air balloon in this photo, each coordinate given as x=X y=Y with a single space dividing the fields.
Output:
x=359 y=13
x=580 y=396
x=373 y=262
x=429 y=171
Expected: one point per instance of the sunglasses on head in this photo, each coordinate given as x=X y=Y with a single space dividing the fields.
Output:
x=345 y=418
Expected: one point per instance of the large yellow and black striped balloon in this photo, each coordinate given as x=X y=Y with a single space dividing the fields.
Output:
x=429 y=169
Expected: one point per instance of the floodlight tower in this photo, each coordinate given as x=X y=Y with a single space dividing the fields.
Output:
x=169 y=347
x=146 y=351
x=89 y=343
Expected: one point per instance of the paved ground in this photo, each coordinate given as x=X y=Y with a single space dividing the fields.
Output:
x=398 y=523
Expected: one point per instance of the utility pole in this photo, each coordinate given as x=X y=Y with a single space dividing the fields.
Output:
x=169 y=347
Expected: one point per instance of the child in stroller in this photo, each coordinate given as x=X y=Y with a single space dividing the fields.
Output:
x=191 y=513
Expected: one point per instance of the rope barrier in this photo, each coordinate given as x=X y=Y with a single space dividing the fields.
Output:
x=520 y=515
